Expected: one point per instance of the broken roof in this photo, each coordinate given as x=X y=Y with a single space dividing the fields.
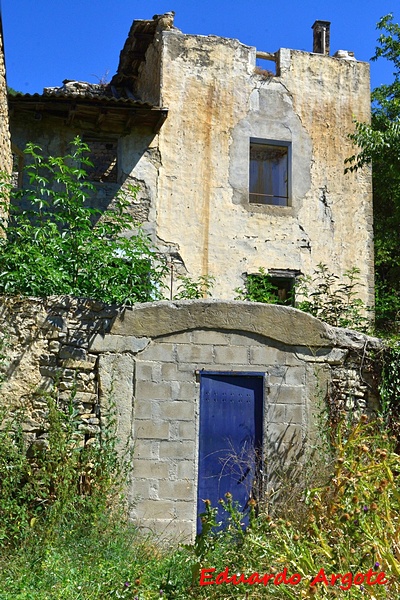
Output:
x=109 y=107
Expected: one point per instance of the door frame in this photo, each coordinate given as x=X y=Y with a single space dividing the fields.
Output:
x=260 y=374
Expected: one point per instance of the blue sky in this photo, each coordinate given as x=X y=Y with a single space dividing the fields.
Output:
x=47 y=41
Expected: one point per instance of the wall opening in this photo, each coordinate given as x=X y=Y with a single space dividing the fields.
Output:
x=230 y=438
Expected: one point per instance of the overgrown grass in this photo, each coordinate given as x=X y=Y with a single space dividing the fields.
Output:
x=66 y=536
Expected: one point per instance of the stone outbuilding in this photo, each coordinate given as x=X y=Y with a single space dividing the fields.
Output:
x=212 y=396
x=238 y=152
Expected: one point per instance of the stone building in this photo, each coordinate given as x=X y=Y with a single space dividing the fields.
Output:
x=240 y=163
x=215 y=396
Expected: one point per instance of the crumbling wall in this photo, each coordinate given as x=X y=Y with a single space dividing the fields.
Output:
x=218 y=101
x=144 y=362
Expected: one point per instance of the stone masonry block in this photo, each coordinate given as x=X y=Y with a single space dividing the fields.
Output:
x=246 y=339
x=148 y=390
x=179 y=410
x=170 y=372
x=180 y=338
x=162 y=509
x=194 y=354
x=276 y=413
x=285 y=394
x=144 y=371
x=210 y=337
x=185 y=469
x=159 y=351
x=167 y=529
x=118 y=343
x=146 y=449
x=295 y=376
x=231 y=355
x=116 y=373
x=186 y=430
x=187 y=390
x=177 y=450
x=186 y=510
x=279 y=433
x=149 y=468
x=141 y=489
x=176 y=490
x=294 y=414
x=72 y=352
x=263 y=355
x=146 y=409
x=145 y=429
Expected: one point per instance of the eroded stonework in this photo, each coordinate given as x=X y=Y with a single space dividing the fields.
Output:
x=145 y=365
x=193 y=167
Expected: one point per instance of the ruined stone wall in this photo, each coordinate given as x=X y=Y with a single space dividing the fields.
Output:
x=136 y=160
x=217 y=102
x=145 y=363
x=5 y=145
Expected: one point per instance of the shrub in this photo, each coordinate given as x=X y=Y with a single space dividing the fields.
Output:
x=349 y=525
x=60 y=245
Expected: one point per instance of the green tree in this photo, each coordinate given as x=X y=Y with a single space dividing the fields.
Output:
x=379 y=143
x=57 y=244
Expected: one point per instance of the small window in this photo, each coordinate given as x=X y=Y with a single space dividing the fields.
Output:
x=103 y=155
x=277 y=286
x=269 y=173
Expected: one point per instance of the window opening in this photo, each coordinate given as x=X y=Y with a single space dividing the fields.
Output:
x=103 y=155
x=275 y=287
x=269 y=173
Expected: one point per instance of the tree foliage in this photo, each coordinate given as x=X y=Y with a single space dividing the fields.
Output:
x=379 y=143
x=55 y=243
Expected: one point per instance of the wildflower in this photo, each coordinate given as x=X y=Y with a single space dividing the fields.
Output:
x=361 y=588
x=374 y=506
x=161 y=593
x=127 y=584
x=207 y=502
x=377 y=565
x=364 y=418
x=365 y=508
x=228 y=496
x=137 y=581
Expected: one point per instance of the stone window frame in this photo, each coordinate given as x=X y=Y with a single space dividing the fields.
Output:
x=287 y=146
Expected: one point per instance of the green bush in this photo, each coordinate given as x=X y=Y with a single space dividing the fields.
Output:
x=332 y=300
x=45 y=482
x=58 y=244
x=259 y=287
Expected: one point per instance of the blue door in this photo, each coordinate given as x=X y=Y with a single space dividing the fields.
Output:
x=230 y=444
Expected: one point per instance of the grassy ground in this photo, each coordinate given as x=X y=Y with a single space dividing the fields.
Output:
x=61 y=540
